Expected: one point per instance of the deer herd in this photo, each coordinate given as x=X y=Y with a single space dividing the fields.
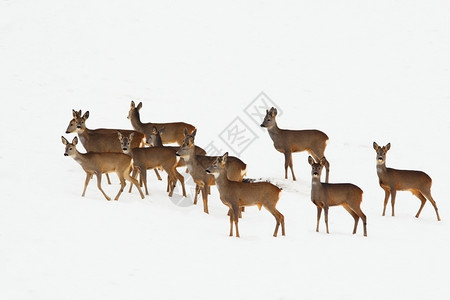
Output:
x=130 y=153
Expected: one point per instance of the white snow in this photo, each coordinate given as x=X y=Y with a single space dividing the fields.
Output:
x=361 y=71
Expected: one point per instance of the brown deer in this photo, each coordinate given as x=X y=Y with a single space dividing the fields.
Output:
x=155 y=140
x=324 y=195
x=240 y=194
x=289 y=141
x=173 y=131
x=197 y=165
x=97 y=163
x=151 y=158
x=392 y=180
x=102 y=139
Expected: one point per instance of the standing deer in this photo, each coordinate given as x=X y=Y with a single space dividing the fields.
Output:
x=289 y=141
x=97 y=163
x=173 y=131
x=155 y=140
x=240 y=194
x=392 y=180
x=102 y=139
x=197 y=165
x=151 y=158
x=324 y=195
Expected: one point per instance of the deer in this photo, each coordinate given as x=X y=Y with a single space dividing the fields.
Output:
x=393 y=180
x=102 y=139
x=236 y=195
x=197 y=165
x=151 y=158
x=97 y=163
x=155 y=140
x=173 y=131
x=324 y=195
x=288 y=141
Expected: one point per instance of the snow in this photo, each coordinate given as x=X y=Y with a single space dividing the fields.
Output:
x=361 y=71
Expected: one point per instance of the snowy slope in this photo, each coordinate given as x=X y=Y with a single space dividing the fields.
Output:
x=361 y=71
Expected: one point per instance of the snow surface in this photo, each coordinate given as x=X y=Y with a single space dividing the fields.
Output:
x=361 y=71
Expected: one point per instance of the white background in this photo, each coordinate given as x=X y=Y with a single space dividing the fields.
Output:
x=361 y=71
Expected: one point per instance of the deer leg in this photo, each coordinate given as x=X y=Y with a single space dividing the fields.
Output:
x=181 y=179
x=363 y=217
x=134 y=181
x=354 y=215
x=427 y=194
x=422 y=199
x=325 y=210
x=107 y=178
x=319 y=212
x=86 y=182
x=122 y=186
x=288 y=163
x=99 y=185
x=235 y=214
x=143 y=172
x=393 y=194
x=387 y=193
x=157 y=174
x=197 y=191
x=231 y=222
x=133 y=174
x=279 y=219
x=205 y=198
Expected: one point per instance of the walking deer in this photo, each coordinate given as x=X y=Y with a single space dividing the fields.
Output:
x=289 y=141
x=152 y=158
x=324 y=195
x=392 y=180
x=240 y=194
x=102 y=139
x=97 y=163
x=197 y=165
x=173 y=131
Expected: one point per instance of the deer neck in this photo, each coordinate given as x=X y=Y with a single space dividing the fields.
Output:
x=79 y=157
x=222 y=180
x=316 y=187
x=136 y=121
x=381 y=169
x=274 y=132
x=157 y=141
x=83 y=135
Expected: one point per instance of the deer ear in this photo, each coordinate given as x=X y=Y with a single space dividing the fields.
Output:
x=132 y=104
x=388 y=146
x=75 y=141
x=375 y=146
x=64 y=141
x=162 y=129
x=119 y=135
x=154 y=130
x=131 y=136
x=139 y=106
x=194 y=132
x=310 y=160
x=86 y=115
